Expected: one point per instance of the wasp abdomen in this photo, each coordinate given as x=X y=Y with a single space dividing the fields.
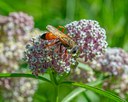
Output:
x=43 y=36
x=48 y=36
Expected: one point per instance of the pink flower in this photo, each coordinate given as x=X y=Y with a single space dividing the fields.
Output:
x=40 y=57
x=18 y=25
x=113 y=62
x=89 y=36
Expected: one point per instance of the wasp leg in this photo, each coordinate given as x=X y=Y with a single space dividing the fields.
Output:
x=63 y=28
x=52 y=44
x=60 y=48
x=65 y=55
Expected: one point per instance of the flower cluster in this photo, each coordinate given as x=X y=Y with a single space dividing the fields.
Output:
x=113 y=62
x=89 y=36
x=118 y=85
x=40 y=56
x=3 y=20
x=82 y=75
x=18 y=89
x=11 y=41
x=121 y=87
x=10 y=54
x=16 y=26
x=15 y=30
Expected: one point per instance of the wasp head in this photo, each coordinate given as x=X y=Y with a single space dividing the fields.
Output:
x=75 y=49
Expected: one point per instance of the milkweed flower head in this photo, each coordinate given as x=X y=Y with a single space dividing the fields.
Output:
x=14 y=89
x=89 y=36
x=118 y=85
x=82 y=75
x=15 y=30
x=17 y=26
x=10 y=55
x=113 y=62
x=121 y=88
x=18 y=89
x=40 y=57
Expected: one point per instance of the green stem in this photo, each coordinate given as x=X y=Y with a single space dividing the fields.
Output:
x=55 y=84
x=56 y=93
x=5 y=75
x=53 y=78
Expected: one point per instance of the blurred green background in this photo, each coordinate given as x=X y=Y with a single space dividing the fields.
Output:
x=111 y=14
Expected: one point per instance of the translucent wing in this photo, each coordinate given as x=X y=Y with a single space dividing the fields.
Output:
x=55 y=31
x=65 y=39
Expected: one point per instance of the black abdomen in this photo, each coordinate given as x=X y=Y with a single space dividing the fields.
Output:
x=43 y=36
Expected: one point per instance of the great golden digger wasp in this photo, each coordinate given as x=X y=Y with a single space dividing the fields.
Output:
x=65 y=40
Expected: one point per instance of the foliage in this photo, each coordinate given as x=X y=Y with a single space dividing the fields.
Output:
x=112 y=15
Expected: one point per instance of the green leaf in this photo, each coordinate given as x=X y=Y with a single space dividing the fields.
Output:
x=101 y=92
x=5 y=75
x=73 y=94
x=5 y=7
x=79 y=90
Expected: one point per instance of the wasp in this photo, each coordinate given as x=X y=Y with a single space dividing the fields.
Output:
x=65 y=40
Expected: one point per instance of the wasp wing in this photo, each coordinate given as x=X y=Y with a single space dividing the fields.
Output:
x=65 y=39
x=55 y=31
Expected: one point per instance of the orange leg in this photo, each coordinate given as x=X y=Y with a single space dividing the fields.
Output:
x=61 y=28
x=65 y=55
